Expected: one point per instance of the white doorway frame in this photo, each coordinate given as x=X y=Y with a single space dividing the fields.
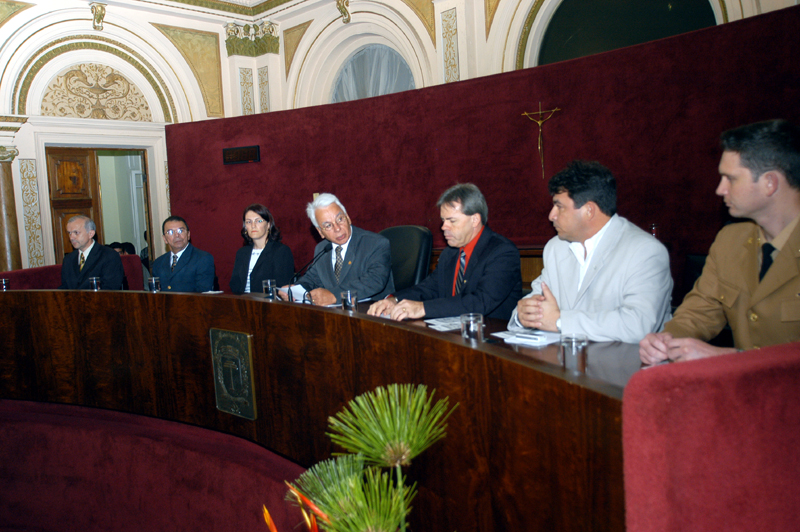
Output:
x=39 y=133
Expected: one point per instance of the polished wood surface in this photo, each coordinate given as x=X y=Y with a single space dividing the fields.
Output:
x=530 y=447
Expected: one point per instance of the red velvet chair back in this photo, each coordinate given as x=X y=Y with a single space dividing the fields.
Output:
x=49 y=277
x=714 y=444
x=132 y=265
x=41 y=278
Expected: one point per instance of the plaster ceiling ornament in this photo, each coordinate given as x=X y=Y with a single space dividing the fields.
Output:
x=251 y=40
x=98 y=14
x=342 y=6
x=95 y=91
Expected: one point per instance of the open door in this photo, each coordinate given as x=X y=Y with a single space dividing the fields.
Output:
x=107 y=185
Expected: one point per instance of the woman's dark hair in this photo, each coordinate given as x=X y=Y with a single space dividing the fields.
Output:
x=273 y=234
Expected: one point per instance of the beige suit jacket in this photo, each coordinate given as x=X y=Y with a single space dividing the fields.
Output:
x=728 y=290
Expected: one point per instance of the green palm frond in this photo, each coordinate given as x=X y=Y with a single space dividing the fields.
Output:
x=380 y=505
x=330 y=481
x=390 y=426
x=354 y=499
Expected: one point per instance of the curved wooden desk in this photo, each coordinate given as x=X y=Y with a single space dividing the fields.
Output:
x=531 y=446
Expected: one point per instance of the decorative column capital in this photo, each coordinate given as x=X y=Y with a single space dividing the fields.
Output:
x=8 y=153
x=9 y=125
x=251 y=40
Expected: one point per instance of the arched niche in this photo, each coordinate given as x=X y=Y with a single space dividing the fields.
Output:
x=328 y=45
x=519 y=27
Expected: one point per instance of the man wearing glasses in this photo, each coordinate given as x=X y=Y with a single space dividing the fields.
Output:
x=185 y=268
x=348 y=259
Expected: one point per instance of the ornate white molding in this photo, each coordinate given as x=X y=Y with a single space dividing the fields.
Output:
x=246 y=91
x=32 y=218
x=450 y=41
x=263 y=89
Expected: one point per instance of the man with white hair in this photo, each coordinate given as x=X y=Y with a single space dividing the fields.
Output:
x=348 y=259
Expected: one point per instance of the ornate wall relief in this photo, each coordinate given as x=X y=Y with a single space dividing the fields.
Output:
x=246 y=90
x=31 y=213
x=95 y=91
x=90 y=44
x=450 y=43
x=166 y=182
x=9 y=8
x=263 y=89
x=291 y=40
x=201 y=50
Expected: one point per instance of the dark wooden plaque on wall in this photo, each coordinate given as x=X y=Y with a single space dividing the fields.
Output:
x=232 y=362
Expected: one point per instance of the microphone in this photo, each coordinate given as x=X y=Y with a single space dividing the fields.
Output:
x=326 y=248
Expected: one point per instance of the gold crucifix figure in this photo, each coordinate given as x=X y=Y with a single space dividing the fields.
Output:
x=539 y=121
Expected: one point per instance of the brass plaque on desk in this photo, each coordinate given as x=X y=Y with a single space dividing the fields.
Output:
x=232 y=360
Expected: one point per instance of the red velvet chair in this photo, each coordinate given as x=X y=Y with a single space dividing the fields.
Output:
x=714 y=444
x=49 y=277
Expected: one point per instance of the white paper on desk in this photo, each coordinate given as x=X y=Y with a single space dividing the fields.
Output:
x=534 y=337
x=297 y=291
x=445 y=324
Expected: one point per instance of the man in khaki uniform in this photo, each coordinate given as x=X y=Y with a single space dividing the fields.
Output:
x=751 y=278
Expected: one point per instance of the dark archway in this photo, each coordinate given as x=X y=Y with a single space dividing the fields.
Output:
x=585 y=27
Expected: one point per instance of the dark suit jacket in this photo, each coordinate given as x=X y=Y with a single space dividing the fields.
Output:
x=193 y=273
x=102 y=262
x=276 y=262
x=367 y=267
x=493 y=281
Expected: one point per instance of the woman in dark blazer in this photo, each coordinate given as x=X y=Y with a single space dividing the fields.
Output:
x=263 y=256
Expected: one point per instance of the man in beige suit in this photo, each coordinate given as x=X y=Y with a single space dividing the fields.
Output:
x=751 y=278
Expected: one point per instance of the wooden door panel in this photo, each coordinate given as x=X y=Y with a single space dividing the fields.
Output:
x=74 y=190
x=70 y=173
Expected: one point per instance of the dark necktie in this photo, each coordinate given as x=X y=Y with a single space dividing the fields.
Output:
x=337 y=268
x=174 y=262
x=462 y=266
x=766 y=260
x=81 y=263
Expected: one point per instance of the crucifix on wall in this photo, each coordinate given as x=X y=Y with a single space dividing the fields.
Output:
x=540 y=118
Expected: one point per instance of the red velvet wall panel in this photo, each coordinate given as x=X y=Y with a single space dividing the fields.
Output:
x=652 y=113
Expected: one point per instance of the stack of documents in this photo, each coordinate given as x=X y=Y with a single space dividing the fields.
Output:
x=533 y=338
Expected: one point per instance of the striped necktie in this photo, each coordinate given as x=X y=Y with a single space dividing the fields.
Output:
x=337 y=268
x=81 y=262
x=462 y=266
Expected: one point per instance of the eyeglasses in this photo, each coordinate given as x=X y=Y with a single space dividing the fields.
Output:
x=179 y=231
x=339 y=221
x=257 y=222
